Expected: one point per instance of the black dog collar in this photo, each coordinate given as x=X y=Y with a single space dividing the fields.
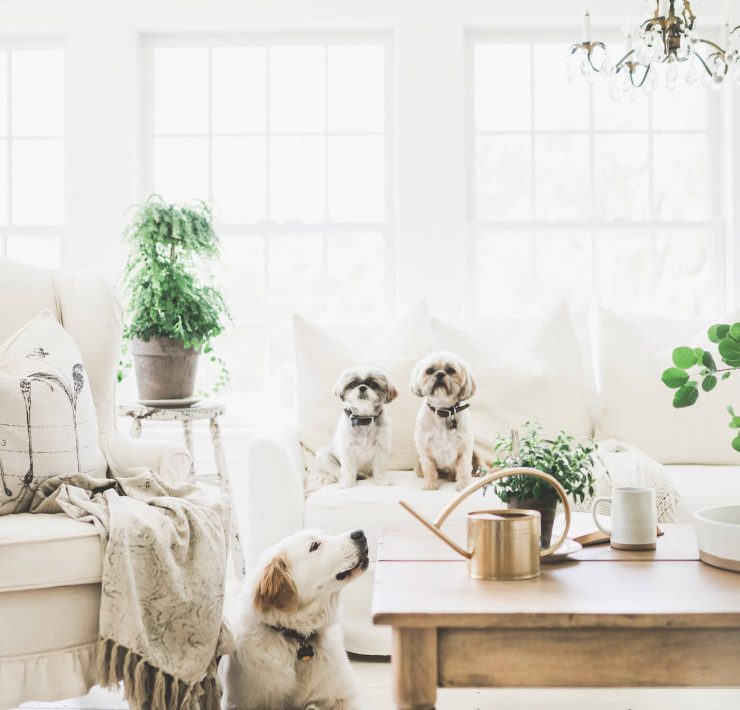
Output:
x=446 y=412
x=360 y=419
x=305 y=650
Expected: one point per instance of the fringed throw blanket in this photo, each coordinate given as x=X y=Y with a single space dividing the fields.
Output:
x=163 y=583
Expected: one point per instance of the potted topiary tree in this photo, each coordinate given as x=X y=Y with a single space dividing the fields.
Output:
x=570 y=463
x=174 y=310
x=727 y=339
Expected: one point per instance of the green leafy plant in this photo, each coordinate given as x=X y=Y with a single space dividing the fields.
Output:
x=570 y=463
x=727 y=339
x=168 y=277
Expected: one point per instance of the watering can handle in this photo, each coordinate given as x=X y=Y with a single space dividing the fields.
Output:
x=435 y=526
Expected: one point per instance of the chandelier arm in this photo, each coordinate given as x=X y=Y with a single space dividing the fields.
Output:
x=644 y=76
x=713 y=44
x=621 y=63
x=703 y=63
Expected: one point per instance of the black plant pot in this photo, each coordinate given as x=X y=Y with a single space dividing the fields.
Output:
x=546 y=510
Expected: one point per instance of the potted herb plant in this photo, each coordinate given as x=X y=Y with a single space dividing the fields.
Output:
x=727 y=339
x=570 y=463
x=174 y=309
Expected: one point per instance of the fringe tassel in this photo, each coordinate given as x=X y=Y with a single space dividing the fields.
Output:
x=149 y=688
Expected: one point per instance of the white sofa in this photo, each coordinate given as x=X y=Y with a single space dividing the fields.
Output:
x=50 y=565
x=273 y=486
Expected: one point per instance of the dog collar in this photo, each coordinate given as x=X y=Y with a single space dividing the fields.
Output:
x=446 y=412
x=360 y=419
x=305 y=650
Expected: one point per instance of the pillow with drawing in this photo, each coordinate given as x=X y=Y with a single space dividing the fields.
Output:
x=47 y=416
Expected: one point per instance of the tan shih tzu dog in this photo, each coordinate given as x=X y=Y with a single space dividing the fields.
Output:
x=362 y=438
x=444 y=432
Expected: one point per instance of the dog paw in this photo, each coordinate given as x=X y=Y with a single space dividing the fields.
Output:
x=382 y=482
x=430 y=486
x=462 y=485
x=346 y=484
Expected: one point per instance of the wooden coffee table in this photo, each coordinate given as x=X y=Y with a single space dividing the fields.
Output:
x=608 y=618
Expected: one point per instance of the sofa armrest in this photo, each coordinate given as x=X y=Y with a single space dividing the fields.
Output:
x=123 y=452
x=272 y=492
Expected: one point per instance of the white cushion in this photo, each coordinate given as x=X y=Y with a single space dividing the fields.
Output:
x=526 y=369
x=48 y=424
x=634 y=404
x=703 y=487
x=321 y=355
x=39 y=550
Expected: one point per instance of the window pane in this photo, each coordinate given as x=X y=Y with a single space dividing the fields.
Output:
x=504 y=265
x=557 y=104
x=297 y=89
x=3 y=93
x=503 y=177
x=38 y=181
x=38 y=92
x=562 y=174
x=239 y=89
x=240 y=178
x=3 y=182
x=684 y=108
x=682 y=181
x=624 y=270
x=503 y=98
x=356 y=178
x=39 y=251
x=684 y=273
x=296 y=275
x=181 y=168
x=297 y=175
x=621 y=176
x=242 y=264
x=181 y=90
x=564 y=267
x=356 y=88
x=356 y=266
x=628 y=112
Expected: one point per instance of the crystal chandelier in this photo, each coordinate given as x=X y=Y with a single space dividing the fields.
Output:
x=665 y=41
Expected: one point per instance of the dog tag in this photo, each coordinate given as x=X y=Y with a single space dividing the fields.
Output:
x=305 y=652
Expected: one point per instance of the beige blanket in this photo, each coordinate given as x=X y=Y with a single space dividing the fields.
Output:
x=164 y=569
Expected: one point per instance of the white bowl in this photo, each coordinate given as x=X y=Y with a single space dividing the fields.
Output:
x=718 y=535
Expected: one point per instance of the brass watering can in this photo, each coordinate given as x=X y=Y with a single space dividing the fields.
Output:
x=503 y=544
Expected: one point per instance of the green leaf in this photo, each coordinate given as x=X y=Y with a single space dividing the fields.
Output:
x=674 y=377
x=708 y=361
x=728 y=349
x=735 y=332
x=730 y=410
x=717 y=332
x=726 y=375
x=709 y=383
x=736 y=443
x=686 y=396
x=684 y=357
x=735 y=423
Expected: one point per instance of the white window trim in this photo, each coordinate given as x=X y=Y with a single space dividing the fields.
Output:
x=717 y=224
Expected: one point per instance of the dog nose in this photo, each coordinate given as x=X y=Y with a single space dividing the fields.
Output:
x=440 y=375
x=363 y=388
x=357 y=535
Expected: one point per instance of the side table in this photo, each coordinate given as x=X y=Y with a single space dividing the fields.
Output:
x=187 y=415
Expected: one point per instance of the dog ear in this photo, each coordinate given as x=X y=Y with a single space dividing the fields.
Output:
x=470 y=385
x=415 y=385
x=392 y=392
x=276 y=589
x=341 y=383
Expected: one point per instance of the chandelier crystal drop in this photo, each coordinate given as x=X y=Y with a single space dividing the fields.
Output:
x=662 y=48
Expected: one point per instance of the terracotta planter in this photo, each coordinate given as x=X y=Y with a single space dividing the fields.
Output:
x=164 y=368
x=546 y=509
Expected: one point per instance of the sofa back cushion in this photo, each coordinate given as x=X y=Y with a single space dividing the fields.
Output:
x=48 y=424
x=635 y=406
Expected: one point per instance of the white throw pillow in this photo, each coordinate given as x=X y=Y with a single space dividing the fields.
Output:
x=322 y=354
x=526 y=369
x=47 y=416
x=636 y=407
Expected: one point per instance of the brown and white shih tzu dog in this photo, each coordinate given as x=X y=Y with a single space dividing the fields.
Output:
x=362 y=438
x=444 y=431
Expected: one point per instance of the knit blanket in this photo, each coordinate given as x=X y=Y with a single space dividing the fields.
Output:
x=618 y=464
x=164 y=567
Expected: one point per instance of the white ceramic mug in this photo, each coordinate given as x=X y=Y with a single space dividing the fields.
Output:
x=634 y=518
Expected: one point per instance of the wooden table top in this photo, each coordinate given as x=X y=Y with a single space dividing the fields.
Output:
x=420 y=582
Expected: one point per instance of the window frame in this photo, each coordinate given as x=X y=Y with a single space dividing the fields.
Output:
x=266 y=228
x=591 y=226
x=34 y=231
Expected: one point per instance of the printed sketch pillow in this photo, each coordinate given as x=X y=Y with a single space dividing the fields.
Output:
x=47 y=417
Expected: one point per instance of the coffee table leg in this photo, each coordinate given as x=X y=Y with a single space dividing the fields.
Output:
x=414 y=665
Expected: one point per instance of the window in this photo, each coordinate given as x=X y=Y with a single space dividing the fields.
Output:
x=287 y=140
x=32 y=213
x=574 y=194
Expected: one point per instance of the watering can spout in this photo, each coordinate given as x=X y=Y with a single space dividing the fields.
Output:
x=441 y=535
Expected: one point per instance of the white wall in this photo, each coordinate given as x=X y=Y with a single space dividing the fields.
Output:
x=103 y=74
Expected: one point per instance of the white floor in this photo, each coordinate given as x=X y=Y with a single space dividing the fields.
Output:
x=375 y=679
